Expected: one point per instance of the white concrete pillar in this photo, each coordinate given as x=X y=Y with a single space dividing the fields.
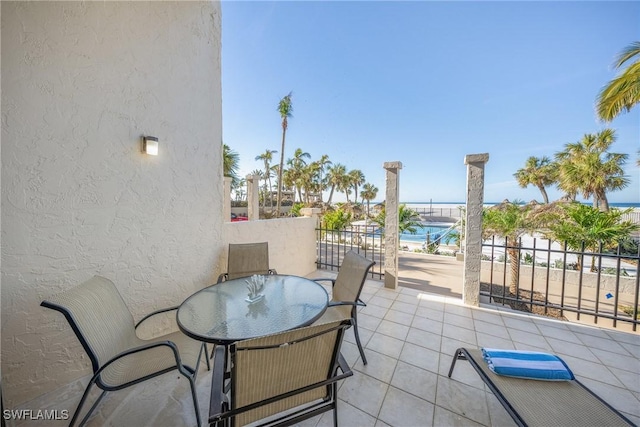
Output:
x=226 y=210
x=473 y=228
x=253 y=197
x=391 y=232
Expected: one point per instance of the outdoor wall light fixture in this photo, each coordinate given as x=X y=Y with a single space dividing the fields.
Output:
x=150 y=145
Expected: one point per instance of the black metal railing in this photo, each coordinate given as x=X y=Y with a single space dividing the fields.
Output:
x=332 y=245
x=551 y=278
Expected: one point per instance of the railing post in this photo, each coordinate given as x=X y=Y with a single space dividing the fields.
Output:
x=391 y=234
x=226 y=211
x=473 y=228
x=253 y=199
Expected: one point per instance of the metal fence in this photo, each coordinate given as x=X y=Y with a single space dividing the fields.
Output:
x=550 y=278
x=633 y=216
x=427 y=213
x=332 y=245
x=437 y=213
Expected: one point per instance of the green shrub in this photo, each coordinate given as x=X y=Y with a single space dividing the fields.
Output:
x=295 y=209
x=336 y=220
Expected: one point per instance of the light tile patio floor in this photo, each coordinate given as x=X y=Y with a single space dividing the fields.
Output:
x=410 y=338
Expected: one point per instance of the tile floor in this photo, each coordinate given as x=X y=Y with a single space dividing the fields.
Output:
x=409 y=340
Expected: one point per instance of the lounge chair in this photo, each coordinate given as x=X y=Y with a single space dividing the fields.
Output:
x=279 y=379
x=247 y=259
x=104 y=326
x=544 y=403
x=345 y=294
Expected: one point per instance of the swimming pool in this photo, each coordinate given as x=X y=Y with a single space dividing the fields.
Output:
x=443 y=232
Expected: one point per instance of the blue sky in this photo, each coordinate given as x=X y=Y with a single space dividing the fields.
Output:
x=425 y=83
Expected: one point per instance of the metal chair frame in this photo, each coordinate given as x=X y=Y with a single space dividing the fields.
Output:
x=256 y=254
x=353 y=259
x=222 y=411
x=187 y=371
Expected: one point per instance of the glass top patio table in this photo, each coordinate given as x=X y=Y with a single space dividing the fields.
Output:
x=222 y=313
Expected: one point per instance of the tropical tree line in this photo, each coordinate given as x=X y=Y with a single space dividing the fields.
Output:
x=586 y=168
x=306 y=178
x=576 y=226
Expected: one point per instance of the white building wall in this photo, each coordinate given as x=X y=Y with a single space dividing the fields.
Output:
x=81 y=83
x=292 y=242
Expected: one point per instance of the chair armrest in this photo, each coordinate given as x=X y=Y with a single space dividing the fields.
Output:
x=145 y=347
x=164 y=310
x=223 y=277
x=338 y=303
x=358 y=303
x=218 y=401
x=321 y=279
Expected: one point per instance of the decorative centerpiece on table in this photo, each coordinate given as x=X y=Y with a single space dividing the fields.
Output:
x=255 y=284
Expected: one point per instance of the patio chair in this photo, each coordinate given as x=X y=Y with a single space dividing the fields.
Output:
x=280 y=379
x=533 y=402
x=105 y=327
x=345 y=295
x=247 y=259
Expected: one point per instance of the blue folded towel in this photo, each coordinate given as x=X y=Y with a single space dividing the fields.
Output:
x=527 y=364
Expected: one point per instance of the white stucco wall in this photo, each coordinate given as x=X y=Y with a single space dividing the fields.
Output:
x=81 y=83
x=292 y=242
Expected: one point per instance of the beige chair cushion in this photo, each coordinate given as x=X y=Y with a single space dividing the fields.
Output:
x=247 y=259
x=260 y=374
x=149 y=362
x=104 y=321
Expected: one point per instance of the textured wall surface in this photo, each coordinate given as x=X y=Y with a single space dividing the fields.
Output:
x=292 y=242
x=81 y=83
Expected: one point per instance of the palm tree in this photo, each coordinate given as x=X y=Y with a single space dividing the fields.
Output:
x=323 y=163
x=238 y=189
x=285 y=108
x=267 y=157
x=623 y=92
x=230 y=161
x=587 y=166
x=297 y=165
x=345 y=185
x=577 y=224
x=298 y=161
x=408 y=219
x=356 y=178
x=509 y=220
x=335 y=177
x=310 y=181
x=369 y=192
x=538 y=172
x=289 y=180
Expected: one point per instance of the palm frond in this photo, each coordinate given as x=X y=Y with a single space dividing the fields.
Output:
x=629 y=52
x=623 y=92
